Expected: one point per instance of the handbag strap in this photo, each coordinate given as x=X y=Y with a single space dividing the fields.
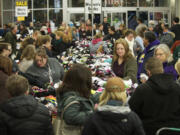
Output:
x=65 y=108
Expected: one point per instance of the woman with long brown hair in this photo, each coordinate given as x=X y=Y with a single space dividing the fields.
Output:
x=124 y=64
x=76 y=86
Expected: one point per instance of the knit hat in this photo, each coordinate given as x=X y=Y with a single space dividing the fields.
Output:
x=115 y=84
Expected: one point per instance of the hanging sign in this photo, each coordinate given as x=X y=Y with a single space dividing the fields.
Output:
x=21 y=9
x=96 y=6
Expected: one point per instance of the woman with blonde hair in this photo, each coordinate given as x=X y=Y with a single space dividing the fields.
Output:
x=27 y=58
x=113 y=116
x=163 y=53
x=177 y=67
x=124 y=64
x=60 y=43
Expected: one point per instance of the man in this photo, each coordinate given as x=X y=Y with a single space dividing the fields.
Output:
x=140 y=24
x=112 y=36
x=105 y=26
x=150 y=43
x=10 y=37
x=176 y=28
x=22 y=114
x=167 y=37
x=157 y=100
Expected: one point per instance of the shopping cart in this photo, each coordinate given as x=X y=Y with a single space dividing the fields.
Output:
x=168 y=129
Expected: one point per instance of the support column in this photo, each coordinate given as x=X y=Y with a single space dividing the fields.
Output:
x=1 y=13
x=65 y=14
x=177 y=12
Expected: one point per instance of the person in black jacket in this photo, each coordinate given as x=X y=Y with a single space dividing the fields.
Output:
x=112 y=36
x=105 y=26
x=176 y=28
x=22 y=114
x=157 y=100
x=113 y=116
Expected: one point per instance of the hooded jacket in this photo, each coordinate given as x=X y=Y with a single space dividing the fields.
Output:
x=23 y=115
x=113 y=119
x=157 y=103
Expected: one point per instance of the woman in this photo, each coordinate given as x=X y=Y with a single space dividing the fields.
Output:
x=6 y=50
x=96 y=43
x=23 y=31
x=129 y=37
x=46 y=70
x=46 y=43
x=27 y=58
x=27 y=41
x=76 y=86
x=60 y=45
x=124 y=64
x=163 y=53
x=5 y=71
x=113 y=116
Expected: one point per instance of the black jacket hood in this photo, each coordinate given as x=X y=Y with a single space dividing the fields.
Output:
x=20 y=107
x=162 y=83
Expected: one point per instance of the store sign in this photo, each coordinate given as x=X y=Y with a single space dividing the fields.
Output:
x=21 y=9
x=96 y=6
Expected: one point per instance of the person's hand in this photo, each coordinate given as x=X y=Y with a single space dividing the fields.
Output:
x=35 y=87
x=95 y=106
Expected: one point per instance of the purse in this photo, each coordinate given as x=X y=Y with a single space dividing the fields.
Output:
x=61 y=128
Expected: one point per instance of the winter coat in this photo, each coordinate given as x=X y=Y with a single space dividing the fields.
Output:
x=157 y=103
x=146 y=54
x=42 y=73
x=4 y=95
x=176 y=30
x=129 y=70
x=23 y=115
x=113 y=119
x=11 y=38
x=169 y=69
x=77 y=113
x=167 y=38
x=58 y=47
